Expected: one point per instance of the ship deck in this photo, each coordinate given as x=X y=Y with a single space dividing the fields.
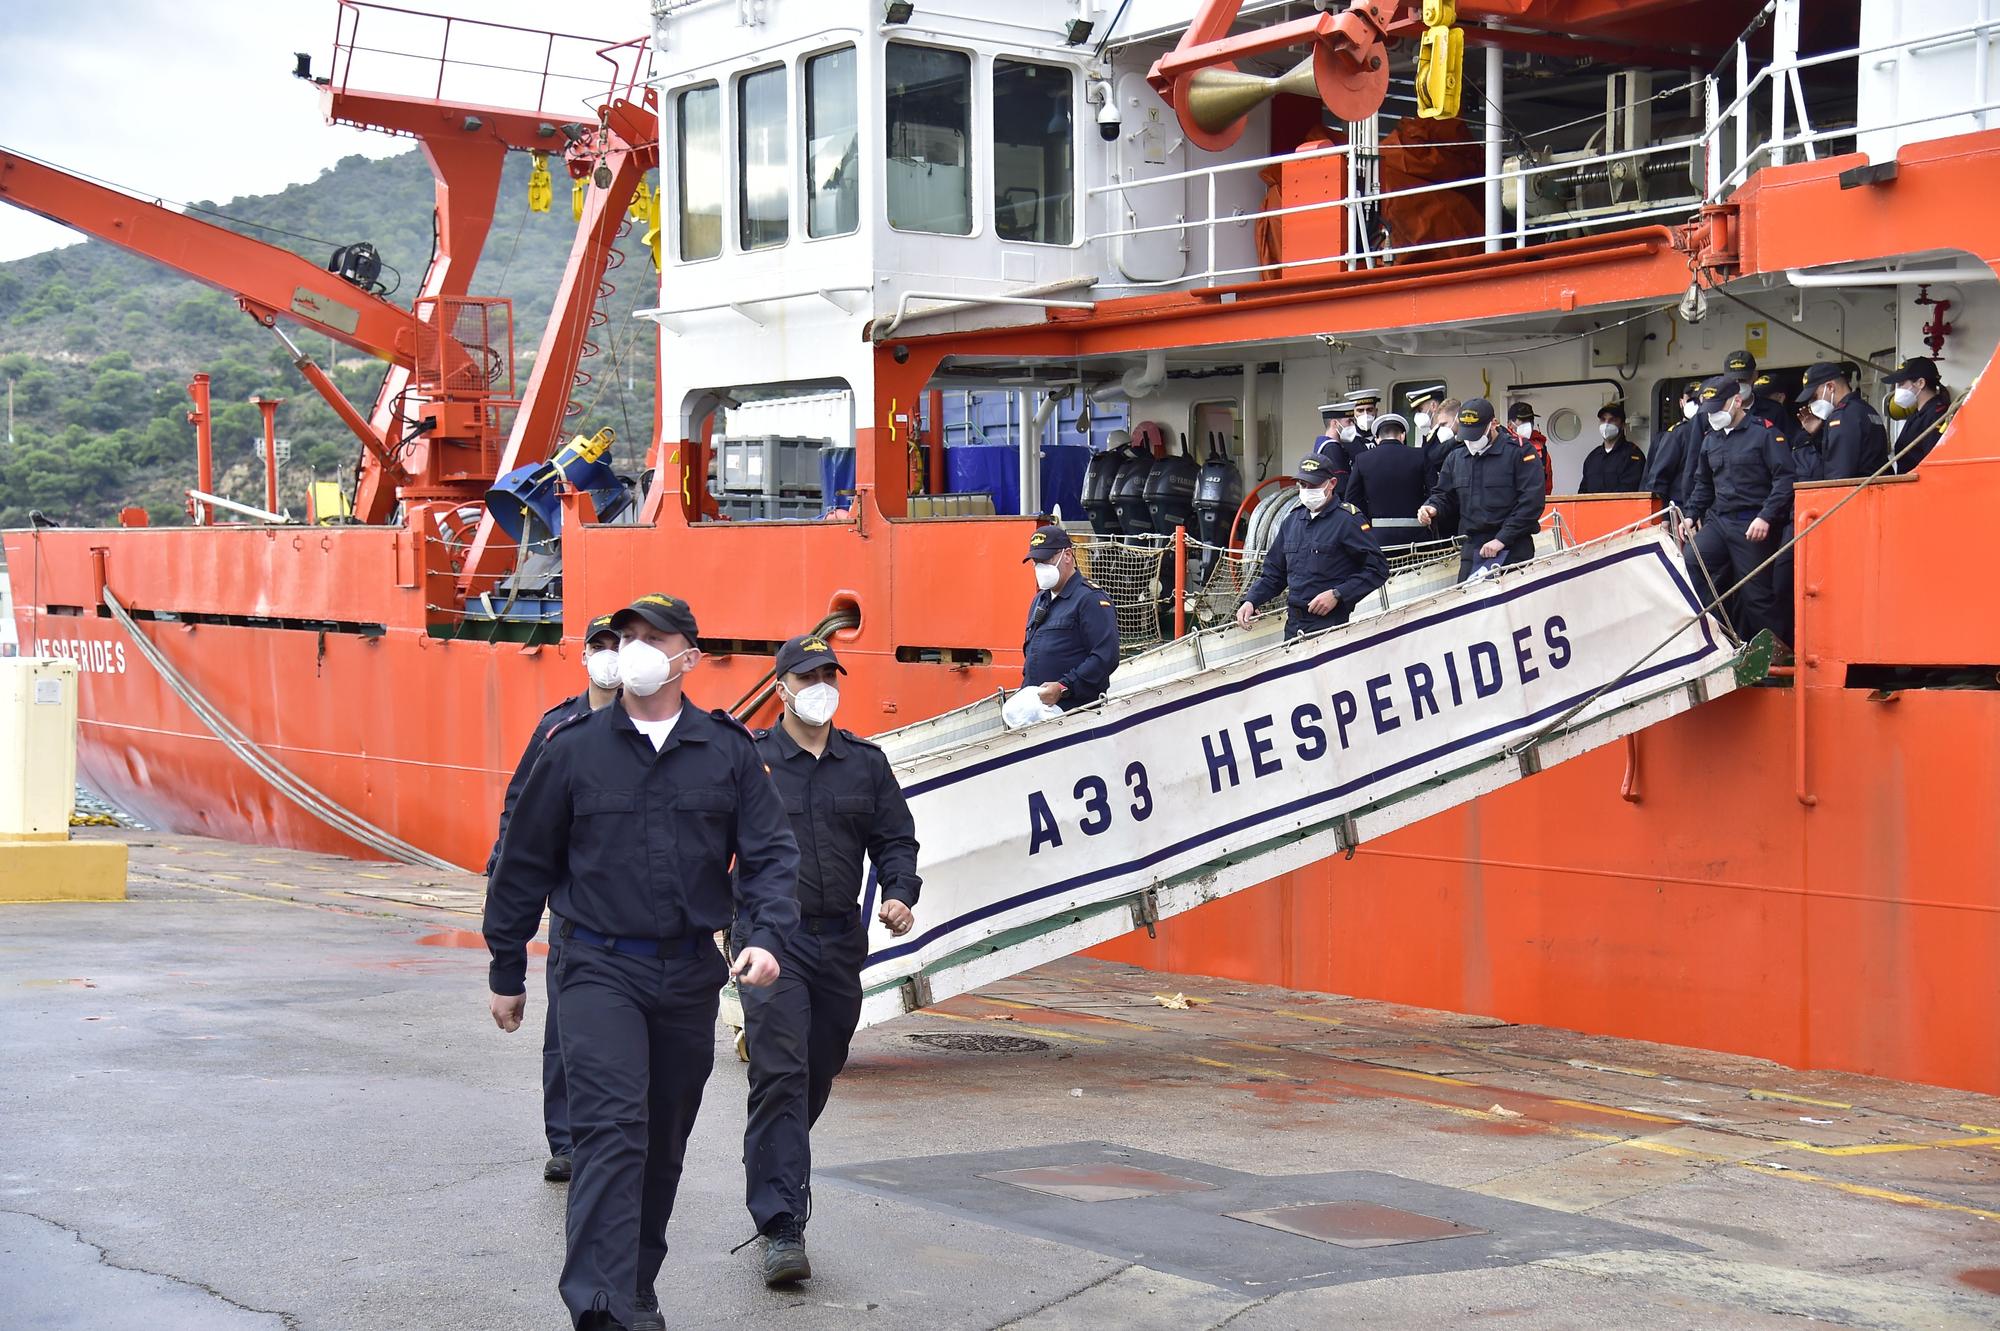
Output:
x=264 y=1093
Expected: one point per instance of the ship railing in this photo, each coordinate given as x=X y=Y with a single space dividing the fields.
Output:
x=1754 y=114
x=442 y=57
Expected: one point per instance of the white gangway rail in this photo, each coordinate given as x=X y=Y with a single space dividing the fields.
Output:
x=1224 y=759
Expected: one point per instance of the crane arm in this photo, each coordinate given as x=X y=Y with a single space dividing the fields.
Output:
x=259 y=275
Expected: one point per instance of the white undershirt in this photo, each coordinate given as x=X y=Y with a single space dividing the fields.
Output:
x=656 y=731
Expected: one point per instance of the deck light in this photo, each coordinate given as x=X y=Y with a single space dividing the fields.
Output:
x=1077 y=31
x=898 y=11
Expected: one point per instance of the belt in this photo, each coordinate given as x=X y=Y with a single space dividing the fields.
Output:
x=829 y=924
x=686 y=945
x=1742 y=515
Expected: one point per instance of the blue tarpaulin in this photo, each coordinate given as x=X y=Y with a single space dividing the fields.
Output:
x=995 y=469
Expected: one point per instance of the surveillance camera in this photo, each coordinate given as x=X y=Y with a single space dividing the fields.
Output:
x=1107 y=120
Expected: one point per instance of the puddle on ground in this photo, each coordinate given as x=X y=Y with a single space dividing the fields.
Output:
x=467 y=938
x=1985 y=1279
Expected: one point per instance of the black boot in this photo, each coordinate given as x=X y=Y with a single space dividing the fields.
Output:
x=785 y=1260
x=646 y=1312
x=557 y=1170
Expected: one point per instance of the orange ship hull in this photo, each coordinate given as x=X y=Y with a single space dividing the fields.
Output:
x=1803 y=873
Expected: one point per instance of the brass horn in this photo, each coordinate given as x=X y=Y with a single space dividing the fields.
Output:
x=1218 y=98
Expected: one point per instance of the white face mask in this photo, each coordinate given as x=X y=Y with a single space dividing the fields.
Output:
x=1446 y=432
x=1607 y=430
x=1314 y=497
x=1347 y=434
x=815 y=704
x=1906 y=396
x=1690 y=409
x=1047 y=575
x=1479 y=445
x=1718 y=420
x=1524 y=428
x=603 y=667
x=644 y=668
x=1364 y=420
x=1423 y=424
x=1822 y=408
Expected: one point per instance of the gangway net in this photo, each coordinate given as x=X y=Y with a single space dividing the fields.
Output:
x=1223 y=759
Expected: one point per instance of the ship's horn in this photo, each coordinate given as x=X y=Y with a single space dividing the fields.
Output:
x=1218 y=98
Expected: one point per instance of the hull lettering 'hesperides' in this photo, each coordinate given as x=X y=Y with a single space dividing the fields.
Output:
x=929 y=273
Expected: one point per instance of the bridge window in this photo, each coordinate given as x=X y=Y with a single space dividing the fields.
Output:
x=1033 y=106
x=930 y=124
x=833 y=183
x=701 y=172
x=763 y=129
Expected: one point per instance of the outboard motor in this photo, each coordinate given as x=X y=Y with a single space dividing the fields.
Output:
x=1098 y=476
x=1128 y=493
x=1218 y=493
x=1170 y=493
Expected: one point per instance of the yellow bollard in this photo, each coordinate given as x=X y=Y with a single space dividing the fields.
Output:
x=38 y=861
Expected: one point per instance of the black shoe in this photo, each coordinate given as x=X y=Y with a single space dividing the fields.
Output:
x=785 y=1260
x=599 y=1321
x=646 y=1312
x=557 y=1170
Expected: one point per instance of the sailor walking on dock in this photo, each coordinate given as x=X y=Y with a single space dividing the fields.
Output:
x=626 y=829
x=844 y=803
x=600 y=661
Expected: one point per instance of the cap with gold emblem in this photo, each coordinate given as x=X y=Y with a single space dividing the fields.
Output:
x=1046 y=544
x=801 y=654
x=1720 y=389
x=601 y=627
x=1474 y=417
x=669 y=614
x=1312 y=470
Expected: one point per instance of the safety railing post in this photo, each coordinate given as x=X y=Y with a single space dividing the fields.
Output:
x=1180 y=582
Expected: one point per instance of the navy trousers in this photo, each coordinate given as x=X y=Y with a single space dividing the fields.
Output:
x=798 y=1031
x=638 y=1042
x=555 y=1092
x=1729 y=555
x=1298 y=623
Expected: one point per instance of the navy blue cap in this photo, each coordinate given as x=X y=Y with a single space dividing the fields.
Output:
x=1521 y=411
x=598 y=628
x=665 y=613
x=1046 y=544
x=1916 y=367
x=1721 y=388
x=1473 y=418
x=1823 y=372
x=807 y=652
x=1738 y=364
x=1313 y=469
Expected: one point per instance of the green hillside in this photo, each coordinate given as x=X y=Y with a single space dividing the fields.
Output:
x=99 y=346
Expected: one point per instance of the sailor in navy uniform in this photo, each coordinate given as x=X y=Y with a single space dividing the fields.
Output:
x=1739 y=507
x=1617 y=466
x=1923 y=397
x=844 y=803
x=1388 y=485
x=1322 y=558
x=1337 y=434
x=600 y=661
x=1492 y=489
x=1071 y=645
x=1853 y=442
x=647 y=826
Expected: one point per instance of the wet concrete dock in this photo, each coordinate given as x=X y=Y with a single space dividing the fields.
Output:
x=265 y=1093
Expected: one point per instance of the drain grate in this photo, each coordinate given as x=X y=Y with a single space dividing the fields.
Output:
x=965 y=1042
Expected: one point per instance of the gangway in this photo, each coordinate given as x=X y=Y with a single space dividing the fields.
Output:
x=1223 y=759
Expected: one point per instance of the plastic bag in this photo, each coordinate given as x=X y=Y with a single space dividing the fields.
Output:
x=1026 y=708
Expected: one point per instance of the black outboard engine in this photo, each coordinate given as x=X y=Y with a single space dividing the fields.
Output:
x=1170 y=493
x=1218 y=493
x=1128 y=493
x=1098 y=476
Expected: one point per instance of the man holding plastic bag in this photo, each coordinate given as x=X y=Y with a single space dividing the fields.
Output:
x=1071 y=646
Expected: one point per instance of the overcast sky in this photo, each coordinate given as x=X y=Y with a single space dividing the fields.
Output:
x=196 y=100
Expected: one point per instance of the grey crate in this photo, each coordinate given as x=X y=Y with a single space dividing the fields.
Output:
x=769 y=464
x=763 y=508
